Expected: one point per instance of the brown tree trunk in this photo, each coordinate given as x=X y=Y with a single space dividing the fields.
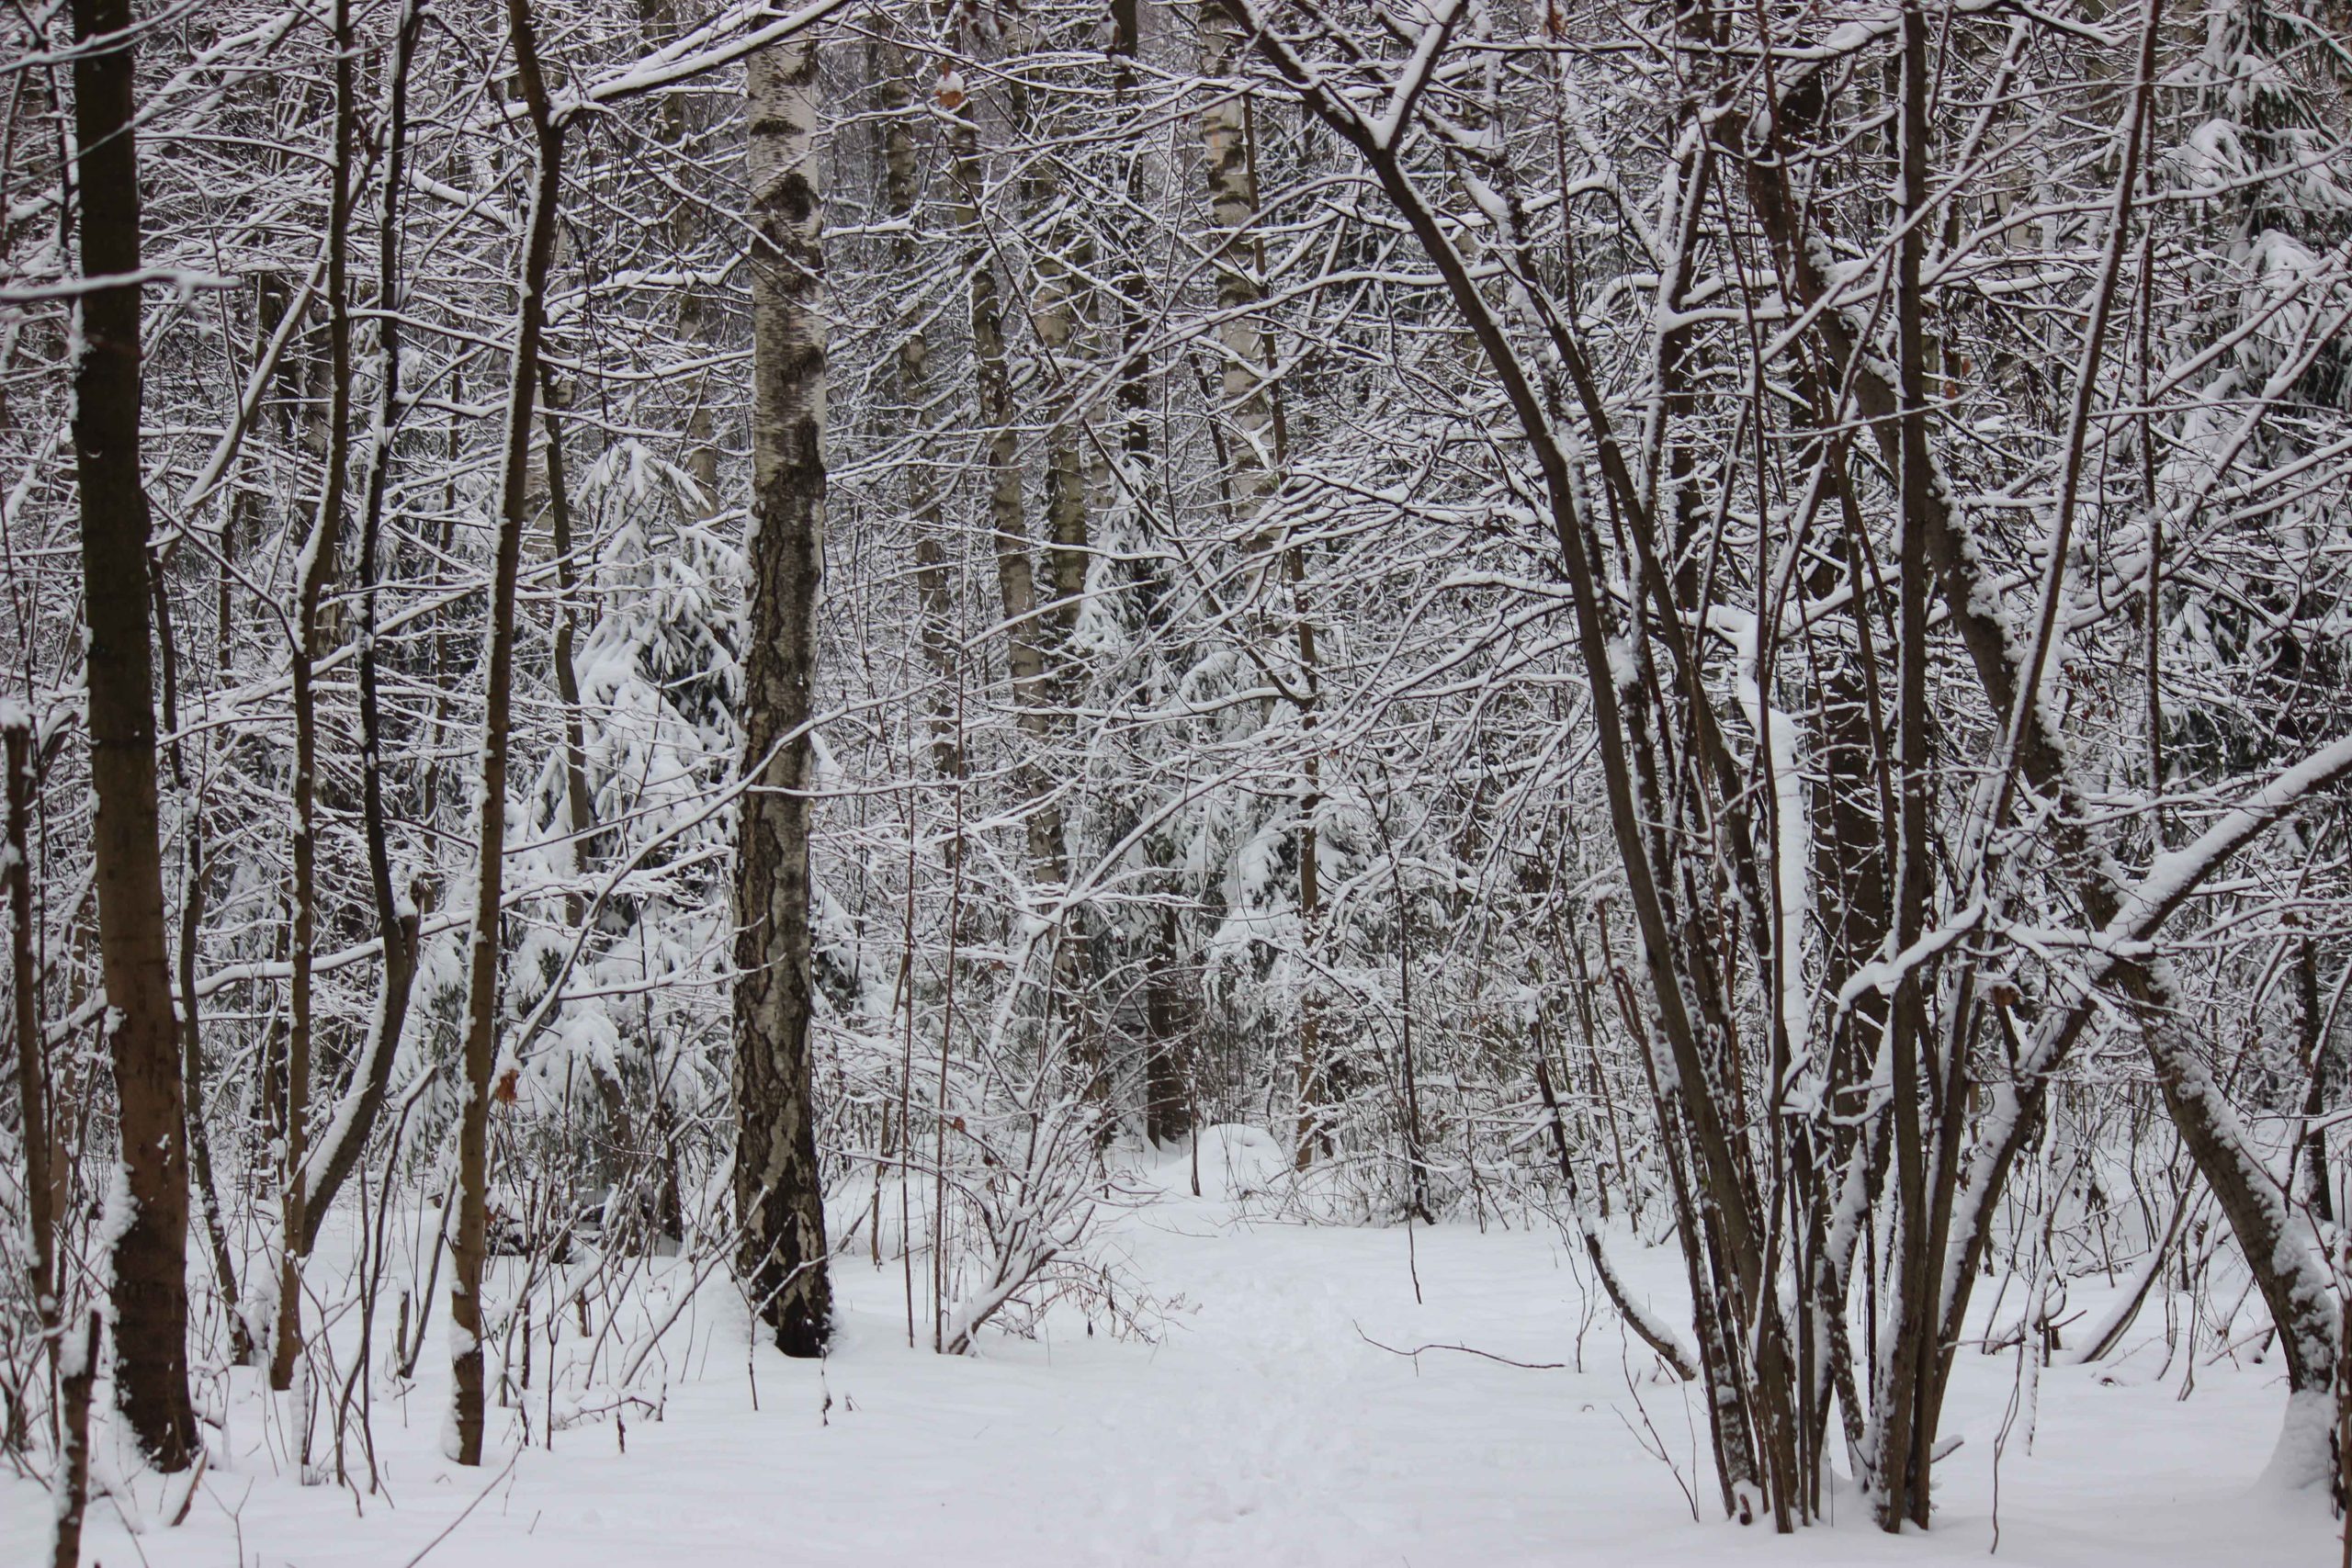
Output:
x=1168 y=1088
x=2315 y=1037
x=317 y=567
x=150 y=1240
x=778 y=1200
x=617 y=1156
x=1167 y=1099
x=344 y=1139
x=71 y=1486
x=33 y=1051
x=1906 y=1429
x=204 y=1192
x=468 y=1249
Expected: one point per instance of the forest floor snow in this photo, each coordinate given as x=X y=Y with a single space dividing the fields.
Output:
x=1263 y=1425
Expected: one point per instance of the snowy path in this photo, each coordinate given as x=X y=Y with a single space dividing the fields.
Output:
x=1261 y=1431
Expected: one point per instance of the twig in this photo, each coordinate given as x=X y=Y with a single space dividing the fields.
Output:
x=1466 y=1350
x=450 y=1527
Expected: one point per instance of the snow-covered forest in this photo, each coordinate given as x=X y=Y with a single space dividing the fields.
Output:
x=1245 y=782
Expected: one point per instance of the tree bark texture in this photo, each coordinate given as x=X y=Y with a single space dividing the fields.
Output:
x=778 y=1202
x=147 y=1220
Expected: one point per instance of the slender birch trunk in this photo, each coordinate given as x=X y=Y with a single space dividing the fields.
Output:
x=1253 y=443
x=1024 y=643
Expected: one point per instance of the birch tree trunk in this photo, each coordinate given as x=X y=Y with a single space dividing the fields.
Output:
x=777 y=1199
x=1016 y=576
x=149 y=1221
x=1231 y=171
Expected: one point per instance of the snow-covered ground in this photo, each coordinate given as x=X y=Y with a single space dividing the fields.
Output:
x=1264 y=1426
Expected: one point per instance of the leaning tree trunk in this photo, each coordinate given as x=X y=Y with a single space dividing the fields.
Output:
x=778 y=1199
x=150 y=1262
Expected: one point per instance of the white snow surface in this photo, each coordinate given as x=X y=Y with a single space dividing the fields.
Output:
x=1261 y=1428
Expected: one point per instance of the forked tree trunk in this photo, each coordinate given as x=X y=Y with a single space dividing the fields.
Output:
x=778 y=1202
x=344 y=1138
x=150 y=1243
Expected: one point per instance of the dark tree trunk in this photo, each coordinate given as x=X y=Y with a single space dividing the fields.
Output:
x=150 y=1248
x=470 y=1247
x=397 y=922
x=777 y=1199
x=33 y=1051
x=1168 y=1099
x=318 y=565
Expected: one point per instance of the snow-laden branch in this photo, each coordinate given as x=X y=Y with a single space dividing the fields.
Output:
x=1416 y=77
x=705 y=49
x=180 y=280
x=2172 y=877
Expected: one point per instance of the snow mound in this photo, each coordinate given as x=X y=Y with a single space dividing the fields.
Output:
x=1234 y=1161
